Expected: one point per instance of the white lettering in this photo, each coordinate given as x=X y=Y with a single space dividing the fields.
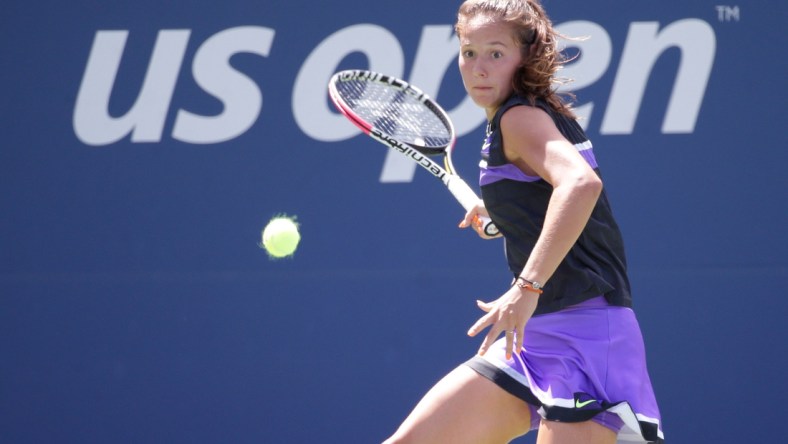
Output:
x=240 y=95
x=644 y=44
x=242 y=98
x=145 y=120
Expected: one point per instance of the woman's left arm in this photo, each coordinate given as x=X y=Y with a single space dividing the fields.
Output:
x=539 y=149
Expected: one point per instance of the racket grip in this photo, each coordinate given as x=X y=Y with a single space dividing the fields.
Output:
x=487 y=226
x=468 y=199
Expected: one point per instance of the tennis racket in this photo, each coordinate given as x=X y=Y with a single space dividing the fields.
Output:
x=402 y=117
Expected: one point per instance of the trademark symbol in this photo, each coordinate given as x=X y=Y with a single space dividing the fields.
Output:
x=727 y=13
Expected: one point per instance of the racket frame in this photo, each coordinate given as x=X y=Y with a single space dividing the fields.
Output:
x=417 y=153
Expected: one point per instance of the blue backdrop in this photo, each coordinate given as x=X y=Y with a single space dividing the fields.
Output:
x=145 y=144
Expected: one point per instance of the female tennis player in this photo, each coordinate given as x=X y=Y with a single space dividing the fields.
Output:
x=571 y=362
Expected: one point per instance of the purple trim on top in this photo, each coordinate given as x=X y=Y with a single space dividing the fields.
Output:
x=492 y=174
x=488 y=174
x=588 y=155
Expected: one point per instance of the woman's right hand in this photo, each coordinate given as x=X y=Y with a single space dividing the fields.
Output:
x=472 y=220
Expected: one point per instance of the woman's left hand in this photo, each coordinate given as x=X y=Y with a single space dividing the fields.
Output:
x=508 y=314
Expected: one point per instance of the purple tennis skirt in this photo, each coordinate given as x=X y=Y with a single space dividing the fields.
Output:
x=586 y=362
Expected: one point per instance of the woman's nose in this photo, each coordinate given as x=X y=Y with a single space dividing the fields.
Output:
x=479 y=71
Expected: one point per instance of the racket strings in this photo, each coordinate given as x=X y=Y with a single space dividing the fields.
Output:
x=395 y=112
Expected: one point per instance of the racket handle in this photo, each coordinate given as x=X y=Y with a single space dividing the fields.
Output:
x=468 y=199
x=487 y=225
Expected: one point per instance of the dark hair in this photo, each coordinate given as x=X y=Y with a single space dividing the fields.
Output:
x=534 y=33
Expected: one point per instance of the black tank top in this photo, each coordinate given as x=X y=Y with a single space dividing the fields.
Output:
x=517 y=203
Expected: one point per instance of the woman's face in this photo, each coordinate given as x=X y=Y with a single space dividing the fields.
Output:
x=489 y=56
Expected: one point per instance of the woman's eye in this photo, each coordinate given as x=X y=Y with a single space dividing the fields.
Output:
x=497 y=55
x=467 y=54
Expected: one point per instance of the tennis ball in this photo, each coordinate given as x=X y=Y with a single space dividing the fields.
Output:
x=281 y=237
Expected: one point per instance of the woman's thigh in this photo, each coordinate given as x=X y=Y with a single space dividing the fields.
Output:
x=465 y=407
x=588 y=432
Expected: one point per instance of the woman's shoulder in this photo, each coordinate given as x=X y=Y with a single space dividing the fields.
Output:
x=520 y=101
x=518 y=108
x=539 y=110
x=534 y=120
